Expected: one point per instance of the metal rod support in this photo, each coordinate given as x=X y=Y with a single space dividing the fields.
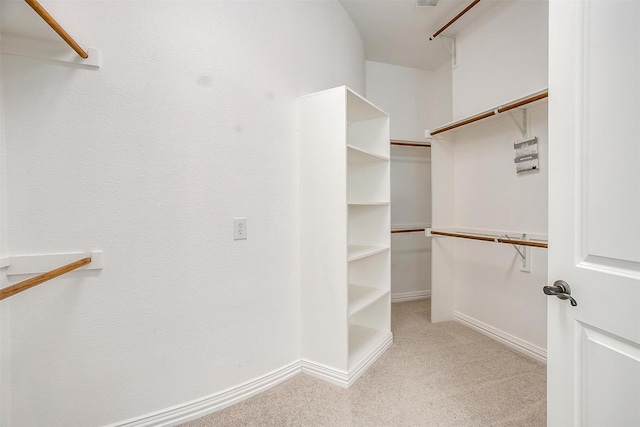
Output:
x=516 y=248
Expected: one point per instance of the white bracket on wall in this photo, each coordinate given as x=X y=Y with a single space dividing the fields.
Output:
x=524 y=252
x=36 y=264
x=5 y=262
x=524 y=127
x=48 y=50
x=450 y=44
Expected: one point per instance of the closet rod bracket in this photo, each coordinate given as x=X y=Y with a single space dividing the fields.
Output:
x=450 y=44
x=523 y=128
x=524 y=253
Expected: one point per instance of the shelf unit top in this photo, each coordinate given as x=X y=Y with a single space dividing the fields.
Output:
x=359 y=109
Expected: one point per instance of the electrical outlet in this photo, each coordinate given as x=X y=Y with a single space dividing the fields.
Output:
x=239 y=228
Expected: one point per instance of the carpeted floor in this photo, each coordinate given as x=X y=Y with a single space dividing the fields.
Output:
x=434 y=375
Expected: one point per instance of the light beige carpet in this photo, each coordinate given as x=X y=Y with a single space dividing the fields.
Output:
x=434 y=375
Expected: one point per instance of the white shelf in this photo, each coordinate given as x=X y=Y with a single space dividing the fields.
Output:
x=326 y=285
x=359 y=155
x=352 y=203
x=361 y=297
x=361 y=251
x=361 y=109
x=362 y=341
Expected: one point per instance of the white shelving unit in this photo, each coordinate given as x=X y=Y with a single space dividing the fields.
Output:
x=345 y=234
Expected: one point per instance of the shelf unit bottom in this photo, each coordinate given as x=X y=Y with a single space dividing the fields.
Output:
x=363 y=341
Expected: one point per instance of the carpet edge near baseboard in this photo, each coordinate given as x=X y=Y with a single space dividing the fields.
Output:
x=206 y=405
x=505 y=338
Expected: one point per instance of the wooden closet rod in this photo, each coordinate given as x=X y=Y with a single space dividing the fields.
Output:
x=527 y=100
x=501 y=109
x=57 y=27
x=466 y=9
x=407 y=230
x=34 y=281
x=410 y=143
x=491 y=239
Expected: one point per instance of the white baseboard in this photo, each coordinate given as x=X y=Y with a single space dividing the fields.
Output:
x=326 y=373
x=215 y=402
x=342 y=378
x=511 y=341
x=410 y=296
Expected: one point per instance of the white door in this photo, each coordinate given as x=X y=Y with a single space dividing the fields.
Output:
x=594 y=212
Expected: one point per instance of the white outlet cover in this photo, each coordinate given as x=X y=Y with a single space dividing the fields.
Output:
x=239 y=228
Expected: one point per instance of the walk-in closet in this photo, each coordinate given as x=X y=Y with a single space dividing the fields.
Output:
x=323 y=212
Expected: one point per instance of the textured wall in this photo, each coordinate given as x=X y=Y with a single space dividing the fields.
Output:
x=502 y=56
x=190 y=121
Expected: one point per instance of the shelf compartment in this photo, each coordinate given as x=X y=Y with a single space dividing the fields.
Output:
x=360 y=109
x=361 y=297
x=356 y=252
x=369 y=225
x=358 y=155
x=376 y=315
x=368 y=181
x=370 y=136
x=362 y=341
x=373 y=271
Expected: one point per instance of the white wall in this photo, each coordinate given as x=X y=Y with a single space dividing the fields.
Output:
x=489 y=195
x=405 y=94
x=501 y=56
x=476 y=180
x=190 y=121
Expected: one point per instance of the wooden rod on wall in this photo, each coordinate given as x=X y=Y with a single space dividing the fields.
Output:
x=410 y=144
x=525 y=101
x=57 y=27
x=407 y=230
x=491 y=239
x=463 y=122
x=34 y=281
x=501 y=109
x=466 y=9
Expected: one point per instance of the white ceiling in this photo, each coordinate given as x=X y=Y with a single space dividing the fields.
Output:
x=397 y=31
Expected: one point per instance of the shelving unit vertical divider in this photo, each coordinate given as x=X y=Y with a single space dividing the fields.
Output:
x=345 y=234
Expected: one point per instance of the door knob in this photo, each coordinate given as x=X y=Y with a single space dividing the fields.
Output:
x=560 y=289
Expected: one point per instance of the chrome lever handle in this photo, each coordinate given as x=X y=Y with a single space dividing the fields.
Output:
x=561 y=290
